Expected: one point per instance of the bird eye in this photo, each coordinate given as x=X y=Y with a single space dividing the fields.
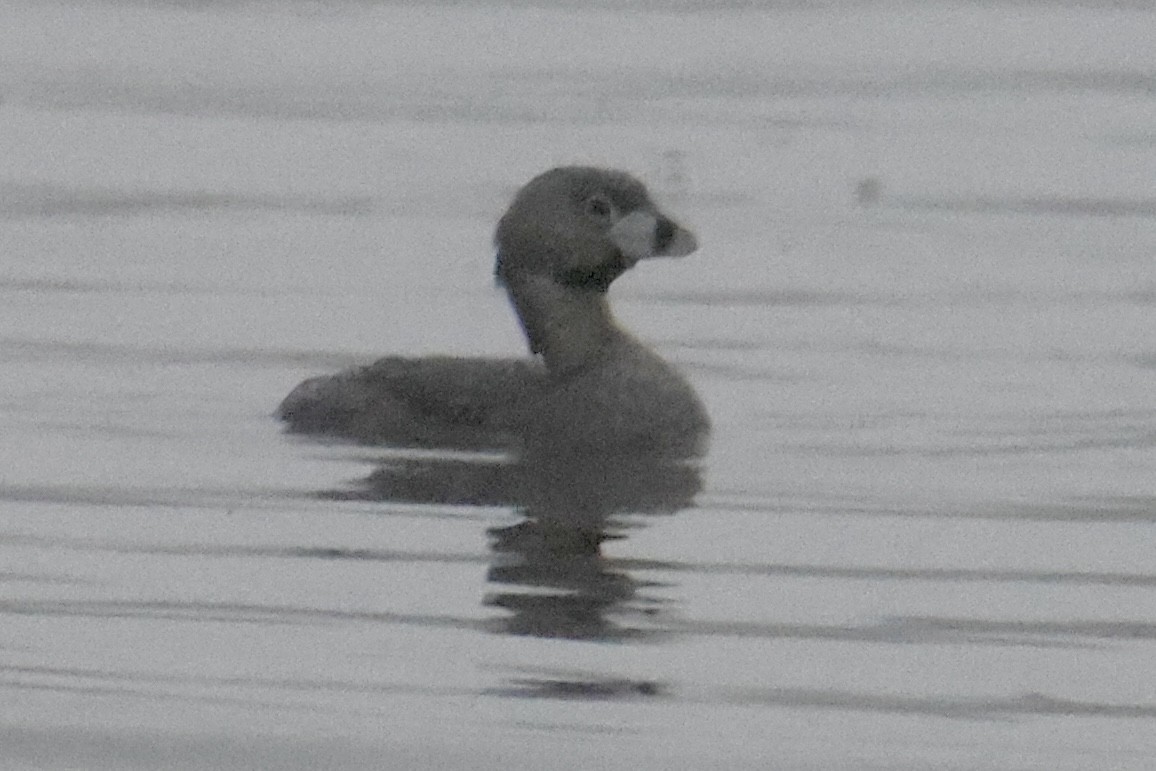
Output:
x=598 y=206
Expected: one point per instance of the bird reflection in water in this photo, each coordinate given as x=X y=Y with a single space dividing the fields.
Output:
x=555 y=579
x=571 y=509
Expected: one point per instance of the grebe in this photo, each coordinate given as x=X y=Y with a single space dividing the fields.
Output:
x=589 y=387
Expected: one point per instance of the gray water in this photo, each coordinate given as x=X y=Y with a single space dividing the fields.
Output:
x=923 y=319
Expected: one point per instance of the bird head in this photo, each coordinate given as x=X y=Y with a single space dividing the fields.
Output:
x=583 y=227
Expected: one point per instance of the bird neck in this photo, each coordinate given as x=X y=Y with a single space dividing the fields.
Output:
x=569 y=328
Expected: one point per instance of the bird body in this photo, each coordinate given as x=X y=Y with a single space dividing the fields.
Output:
x=590 y=387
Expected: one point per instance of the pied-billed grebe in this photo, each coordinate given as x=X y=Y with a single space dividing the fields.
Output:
x=590 y=387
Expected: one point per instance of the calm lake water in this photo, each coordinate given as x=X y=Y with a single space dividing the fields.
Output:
x=923 y=319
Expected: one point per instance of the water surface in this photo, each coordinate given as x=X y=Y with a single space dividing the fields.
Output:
x=922 y=319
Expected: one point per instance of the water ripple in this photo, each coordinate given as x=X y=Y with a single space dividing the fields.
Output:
x=43 y=200
x=1027 y=704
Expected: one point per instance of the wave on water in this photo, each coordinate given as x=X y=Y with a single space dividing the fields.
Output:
x=42 y=200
